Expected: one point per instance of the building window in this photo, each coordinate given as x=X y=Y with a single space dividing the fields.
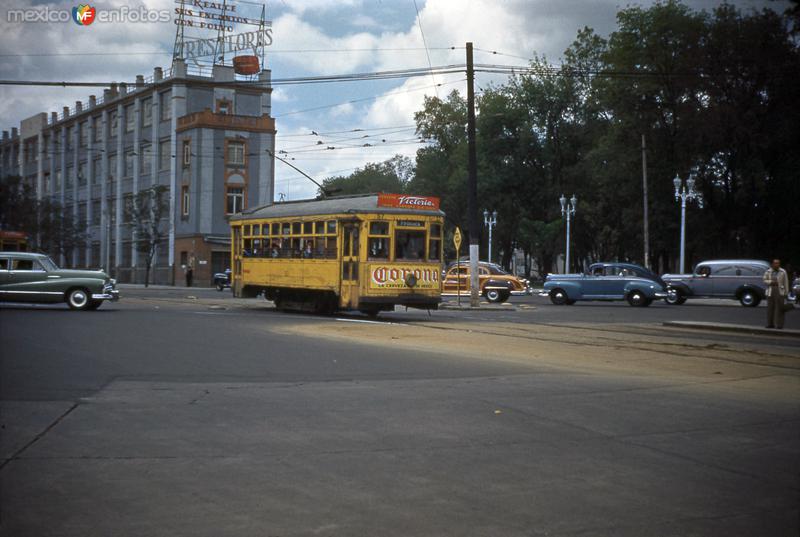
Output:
x=82 y=213
x=147 y=112
x=82 y=174
x=84 y=133
x=128 y=164
x=127 y=208
x=112 y=167
x=187 y=153
x=223 y=106
x=185 y=200
x=46 y=183
x=97 y=171
x=234 y=199
x=129 y=118
x=95 y=212
x=235 y=156
x=69 y=138
x=145 y=156
x=164 y=155
x=98 y=128
x=68 y=179
x=57 y=182
x=166 y=106
x=114 y=121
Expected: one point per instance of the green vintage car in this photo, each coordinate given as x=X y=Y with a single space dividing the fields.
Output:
x=27 y=277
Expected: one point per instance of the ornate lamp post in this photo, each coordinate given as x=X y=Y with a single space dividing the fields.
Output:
x=490 y=220
x=568 y=210
x=682 y=194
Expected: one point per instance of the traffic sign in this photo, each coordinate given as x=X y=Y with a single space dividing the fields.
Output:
x=457 y=239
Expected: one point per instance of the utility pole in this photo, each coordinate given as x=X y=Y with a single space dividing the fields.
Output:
x=644 y=193
x=472 y=185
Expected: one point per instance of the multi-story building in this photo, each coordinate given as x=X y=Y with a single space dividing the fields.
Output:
x=209 y=140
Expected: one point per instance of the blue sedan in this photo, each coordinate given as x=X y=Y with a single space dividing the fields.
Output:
x=606 y=281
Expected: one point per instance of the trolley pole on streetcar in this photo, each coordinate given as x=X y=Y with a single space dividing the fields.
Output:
x=472 y=185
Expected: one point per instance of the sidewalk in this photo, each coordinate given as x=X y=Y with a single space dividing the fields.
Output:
x=726 y=327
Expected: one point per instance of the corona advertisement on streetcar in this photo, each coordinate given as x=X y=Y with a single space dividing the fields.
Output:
x=398 y=277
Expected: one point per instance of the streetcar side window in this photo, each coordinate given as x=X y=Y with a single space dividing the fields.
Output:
x=435 y=243
x=378 y=240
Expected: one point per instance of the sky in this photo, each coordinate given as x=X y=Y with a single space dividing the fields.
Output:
x=312 y=37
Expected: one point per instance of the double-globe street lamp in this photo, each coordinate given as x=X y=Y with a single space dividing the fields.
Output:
x=490 y=220
x=682 y=194
x=567 y=210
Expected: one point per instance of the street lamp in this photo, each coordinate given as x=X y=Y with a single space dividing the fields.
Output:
x=568 y=210
x=683 y=193
x=491 y=221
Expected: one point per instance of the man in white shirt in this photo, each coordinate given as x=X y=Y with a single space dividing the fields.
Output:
x=777 y=288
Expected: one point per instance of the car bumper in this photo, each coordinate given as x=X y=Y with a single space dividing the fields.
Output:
x=661 y=294
x=107 y=294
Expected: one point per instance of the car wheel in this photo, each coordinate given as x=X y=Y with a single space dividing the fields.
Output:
x=749 y=299
x=78 y=299
x=494 y=295
x=637 y=299
x=558 y=297
x=94 y=304
x=675 y=297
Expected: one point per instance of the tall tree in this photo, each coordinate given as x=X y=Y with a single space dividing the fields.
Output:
x=146 y=214
x=389 y=176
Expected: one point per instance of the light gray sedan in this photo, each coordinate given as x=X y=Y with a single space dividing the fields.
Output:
x=739 y=279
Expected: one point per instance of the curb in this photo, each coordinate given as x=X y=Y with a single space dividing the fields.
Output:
x=741 y=328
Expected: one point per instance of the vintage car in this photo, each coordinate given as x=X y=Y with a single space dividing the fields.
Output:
x=606 y=281
x=495 y=283
x=28 y=277
x=740 y=279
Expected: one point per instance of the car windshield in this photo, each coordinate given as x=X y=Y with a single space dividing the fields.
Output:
x=48 y=264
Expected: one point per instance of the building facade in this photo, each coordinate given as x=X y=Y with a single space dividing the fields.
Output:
x=208 y=140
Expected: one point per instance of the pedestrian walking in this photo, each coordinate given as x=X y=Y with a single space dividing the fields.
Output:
x=189 y=270
x=777 y=290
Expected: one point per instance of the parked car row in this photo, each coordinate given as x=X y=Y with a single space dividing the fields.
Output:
x=739 y=279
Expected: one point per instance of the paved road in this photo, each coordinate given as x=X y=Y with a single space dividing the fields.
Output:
x=162 y=416
x=536 y=309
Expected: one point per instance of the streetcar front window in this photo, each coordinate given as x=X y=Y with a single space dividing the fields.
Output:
x=409 y=245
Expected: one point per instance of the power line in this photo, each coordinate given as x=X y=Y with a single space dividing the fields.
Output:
x=374 y=97
x=425 y=44
x=169 y=53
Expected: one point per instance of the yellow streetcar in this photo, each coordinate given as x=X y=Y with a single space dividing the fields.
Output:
x=365 y=253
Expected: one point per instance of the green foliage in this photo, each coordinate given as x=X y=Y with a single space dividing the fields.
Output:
x=50 y=228
x=389 y=176
x=714 y=95
x=146 y=213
